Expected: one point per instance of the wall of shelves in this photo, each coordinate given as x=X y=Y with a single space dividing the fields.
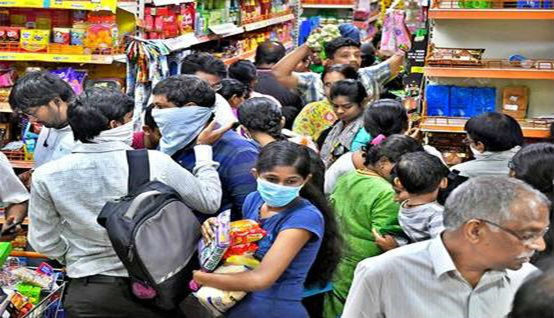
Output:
x=532 y=38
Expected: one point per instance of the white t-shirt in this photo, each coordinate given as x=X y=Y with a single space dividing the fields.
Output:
x=222 y=110
x=53 y=144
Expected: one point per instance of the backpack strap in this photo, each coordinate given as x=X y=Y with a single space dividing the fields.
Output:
x=139 y=169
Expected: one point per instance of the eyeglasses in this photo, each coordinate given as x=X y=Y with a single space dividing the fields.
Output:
x=217 y=87
x=526 y=239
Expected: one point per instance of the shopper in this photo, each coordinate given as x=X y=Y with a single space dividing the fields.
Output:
x=363 y=202
x=245 y=71
x=234 y=92
x=534 y=164
x=421 y=175
x=493 y=226
x=339 y=51
x=535 y=298
x=347 y=134
x=13 y=194
x=264 y=122
x=318 y=116
x=69 y=193
x=184 y=106
x=382 y=118
x=268 y=53
x=213 y=71
x=302 y=241
x=149 y=137
x=493 y=138
x=43 y=97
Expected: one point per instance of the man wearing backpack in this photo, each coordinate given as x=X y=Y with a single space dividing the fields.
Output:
x=69 y=193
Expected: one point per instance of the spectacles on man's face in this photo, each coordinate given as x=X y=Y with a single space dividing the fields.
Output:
x=216 y=86
x=527 y=239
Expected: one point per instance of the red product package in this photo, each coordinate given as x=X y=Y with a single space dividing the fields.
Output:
x=248 y=248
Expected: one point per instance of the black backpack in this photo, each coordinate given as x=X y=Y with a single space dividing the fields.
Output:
x=454 y=181
x=154 y=234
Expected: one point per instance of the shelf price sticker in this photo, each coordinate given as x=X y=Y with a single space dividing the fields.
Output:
x=24 y=3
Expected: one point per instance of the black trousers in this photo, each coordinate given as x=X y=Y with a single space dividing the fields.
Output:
x=107 y=297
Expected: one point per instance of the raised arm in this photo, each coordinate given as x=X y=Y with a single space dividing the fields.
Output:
x=284 y=69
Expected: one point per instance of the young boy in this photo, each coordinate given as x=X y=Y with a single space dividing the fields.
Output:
x=149 y=137
x=420 y=175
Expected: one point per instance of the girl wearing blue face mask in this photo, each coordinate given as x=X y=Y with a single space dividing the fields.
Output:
x=302 y=245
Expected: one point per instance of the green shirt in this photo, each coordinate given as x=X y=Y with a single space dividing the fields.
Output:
x=362 y=201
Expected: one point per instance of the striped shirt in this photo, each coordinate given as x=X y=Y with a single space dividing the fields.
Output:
x=236 y=157
x=372 y=77
x=421 y=222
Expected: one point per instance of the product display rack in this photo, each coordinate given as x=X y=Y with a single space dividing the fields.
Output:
x=491 y=71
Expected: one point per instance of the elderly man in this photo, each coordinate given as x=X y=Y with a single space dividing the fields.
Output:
x=473 y=269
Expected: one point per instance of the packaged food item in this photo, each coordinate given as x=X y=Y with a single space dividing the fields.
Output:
x=78 y=16
x=13 y=34
x=19 y=305
x=77 y=36
x=395 y=35
x=211 y=253
x=219 y=301
x=34 y=40
x=455 y=56
x=29 y=291
x=61 y=35
x=317 y=39
x=245 y=260
x=246 y=231
x=74 y=78
x=241 y=249
x=30 y=277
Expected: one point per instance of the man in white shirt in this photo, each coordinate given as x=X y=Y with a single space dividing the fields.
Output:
x=69 y=193
x=12 y=192
x=472 y=270
x=43 y=97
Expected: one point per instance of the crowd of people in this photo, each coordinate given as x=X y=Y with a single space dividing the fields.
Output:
x=363 y=220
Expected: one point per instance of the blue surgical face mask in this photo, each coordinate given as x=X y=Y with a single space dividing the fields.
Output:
x=180 y=125
x=276 y=195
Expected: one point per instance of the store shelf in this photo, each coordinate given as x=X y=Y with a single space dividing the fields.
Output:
x=491 y=14
x=327 y=6
x=245 y=56
x=188 y=40
x=20 y=164
x=265 y=23
x=456 y=125
x=495 y=69
x=108 y=5
x=57 y=58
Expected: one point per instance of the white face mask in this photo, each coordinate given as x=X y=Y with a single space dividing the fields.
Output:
x=476 y=153
x=123 y=133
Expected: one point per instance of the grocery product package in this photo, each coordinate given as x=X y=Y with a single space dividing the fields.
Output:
x=395 y=35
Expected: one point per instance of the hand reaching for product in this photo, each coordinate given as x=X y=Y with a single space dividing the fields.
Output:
x=207 y=229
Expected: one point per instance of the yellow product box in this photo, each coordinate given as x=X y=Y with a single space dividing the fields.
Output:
x=34 y=40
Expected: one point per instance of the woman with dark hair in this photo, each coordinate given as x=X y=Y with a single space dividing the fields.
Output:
x=264 y=122
x=316 y=117
x=246 y=72
x=302 y=244
x=534 y=164
x=493 y=138
x=234 y=92
x=348 y=134
x=364 y=202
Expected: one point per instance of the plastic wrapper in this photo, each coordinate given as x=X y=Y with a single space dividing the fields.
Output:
x=395 y=36
x=74 y=78
x=242 y=249
x=317 y=39
x=218 y=301
x=211 y=253
x=246 y=231
x=33 y=278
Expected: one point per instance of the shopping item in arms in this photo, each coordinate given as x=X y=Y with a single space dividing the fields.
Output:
x=238 y=257
x=317 y=39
